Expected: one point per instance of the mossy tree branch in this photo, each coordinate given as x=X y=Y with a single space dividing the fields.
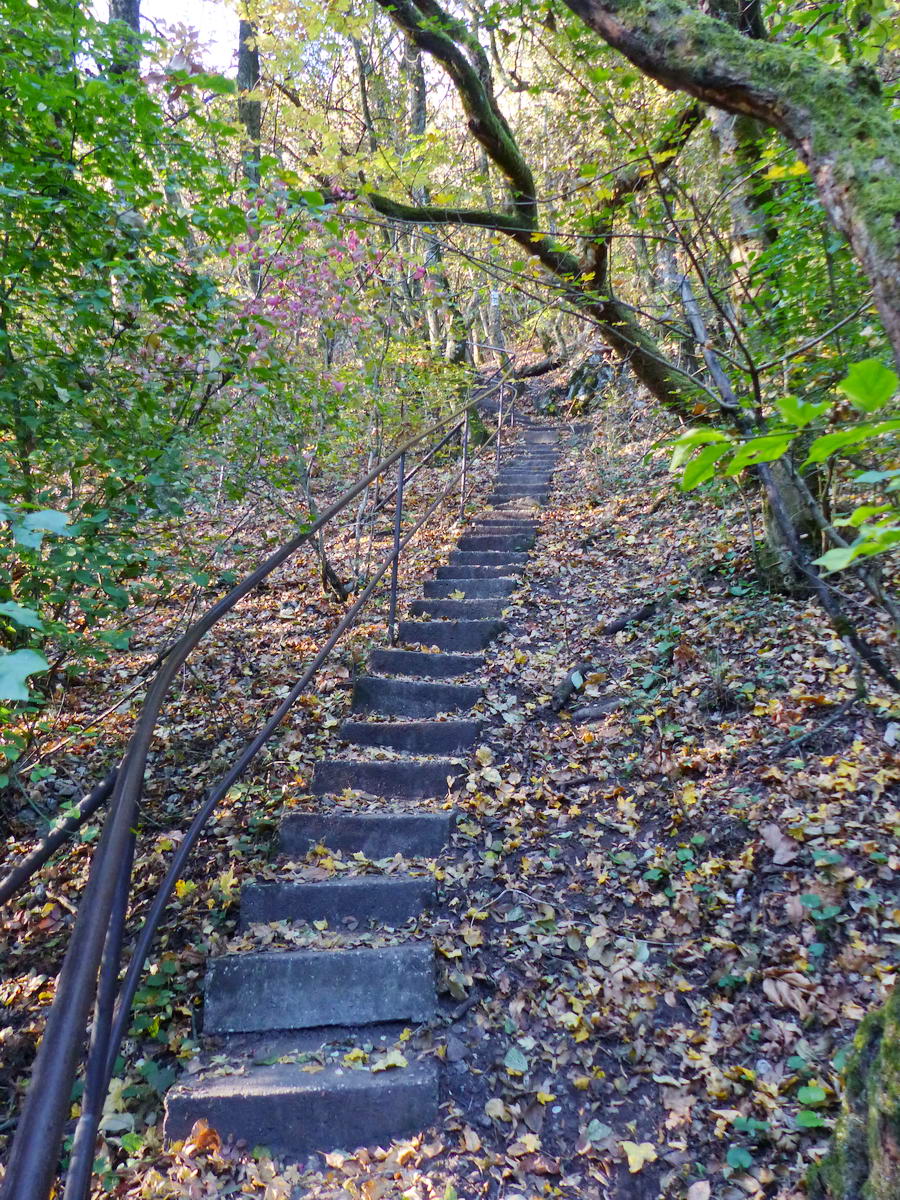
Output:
x=672 y=388
x=836 y=119
x=432 y=30
x=449 y=41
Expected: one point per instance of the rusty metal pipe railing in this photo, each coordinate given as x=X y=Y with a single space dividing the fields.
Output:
x=79 y=1176
x=33 y=861
x=32 y=1164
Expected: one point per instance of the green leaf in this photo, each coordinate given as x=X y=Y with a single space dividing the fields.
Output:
x=812 y=1095
x=515 y=1061
x=869 y=385
x=829 y=443
x=701 y=435
x=806 y=1119
x=800 y=412
x=702 y=467
x=15 y=669
x=836 y=559
x=761 y=449
x=597 y=1131
x=119 y=639
x=861 y=514
x=739 y=1158
x=26 y=617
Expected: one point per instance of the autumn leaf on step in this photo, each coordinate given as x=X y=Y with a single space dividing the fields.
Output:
x=784 y=849
x=459 y=594
x=638 y=1155
x=203 y=1140
x=392 y=1059
x=471 y=1140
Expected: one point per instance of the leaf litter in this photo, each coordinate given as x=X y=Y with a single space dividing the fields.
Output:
x=661 y=923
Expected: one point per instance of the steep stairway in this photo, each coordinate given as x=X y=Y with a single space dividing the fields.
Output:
x=283 y=1066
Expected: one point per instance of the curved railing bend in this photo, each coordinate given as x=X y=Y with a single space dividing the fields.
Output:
x=92 y=965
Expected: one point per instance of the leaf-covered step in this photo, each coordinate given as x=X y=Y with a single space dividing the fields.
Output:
x=487 y=558
x=456 y=571
x=472 y=589
x=374 y=835
x=295 y=1113
x=450 y=635
x=394 y=779
x=496 y=541
x=432 y=666
x=411 y=697
x=466 y=610
x=386 y=899
x=309 y=989
x=414 y=737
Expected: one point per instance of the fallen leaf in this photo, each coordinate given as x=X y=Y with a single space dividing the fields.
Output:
x=784 y=849
x=638 y=1154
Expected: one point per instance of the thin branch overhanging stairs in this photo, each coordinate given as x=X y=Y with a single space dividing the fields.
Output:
x=277 y=1012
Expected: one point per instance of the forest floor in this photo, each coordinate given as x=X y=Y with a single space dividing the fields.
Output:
x=669 y=906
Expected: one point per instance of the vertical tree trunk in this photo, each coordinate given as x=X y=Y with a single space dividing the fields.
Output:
x=864 y=1159
x=454 y=336
x=128 y=12
x=250 y=116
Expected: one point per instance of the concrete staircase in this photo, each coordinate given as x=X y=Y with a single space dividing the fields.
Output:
x=287 y=1017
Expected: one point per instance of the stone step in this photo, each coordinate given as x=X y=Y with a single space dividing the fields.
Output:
x=456 y=610
x=496 y=541
x=308 y=989
x=374 y=835
x=294 y=1113
x=393 y=779
x=411 y=697
x=539 y=498
x=432 y=666
x=512 y=516
x=450 y=635
x=486 y=558
x=517 y=490
x=458 y=572
x=508 y=525
x=472 y=589
x=523 y=479
x=388 y=899
x=414 y=737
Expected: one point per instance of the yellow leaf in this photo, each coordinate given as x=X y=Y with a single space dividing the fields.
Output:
x=393 y=1058
x=545 y=1097
x=638 y=1155
x=484 y=756
x=355 y=1055
x=471 y=1140
x=473 y=936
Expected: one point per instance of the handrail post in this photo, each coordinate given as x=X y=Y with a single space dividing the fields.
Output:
x=395 y=564
x=464 y=480
x=499 y=426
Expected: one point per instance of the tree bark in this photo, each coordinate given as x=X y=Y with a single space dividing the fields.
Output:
x=864 y=1159
x=836 y=119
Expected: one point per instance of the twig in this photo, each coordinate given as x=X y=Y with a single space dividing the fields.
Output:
x=838 y=713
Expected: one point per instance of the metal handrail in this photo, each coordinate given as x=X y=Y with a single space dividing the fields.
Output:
x=91 y=966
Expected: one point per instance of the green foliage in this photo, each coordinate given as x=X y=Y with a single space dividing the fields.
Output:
x=108 y=198
x=701 y=453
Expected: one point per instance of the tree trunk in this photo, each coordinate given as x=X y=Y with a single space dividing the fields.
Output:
x=837 y=120
x=250 y=116
x=864 y=1159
